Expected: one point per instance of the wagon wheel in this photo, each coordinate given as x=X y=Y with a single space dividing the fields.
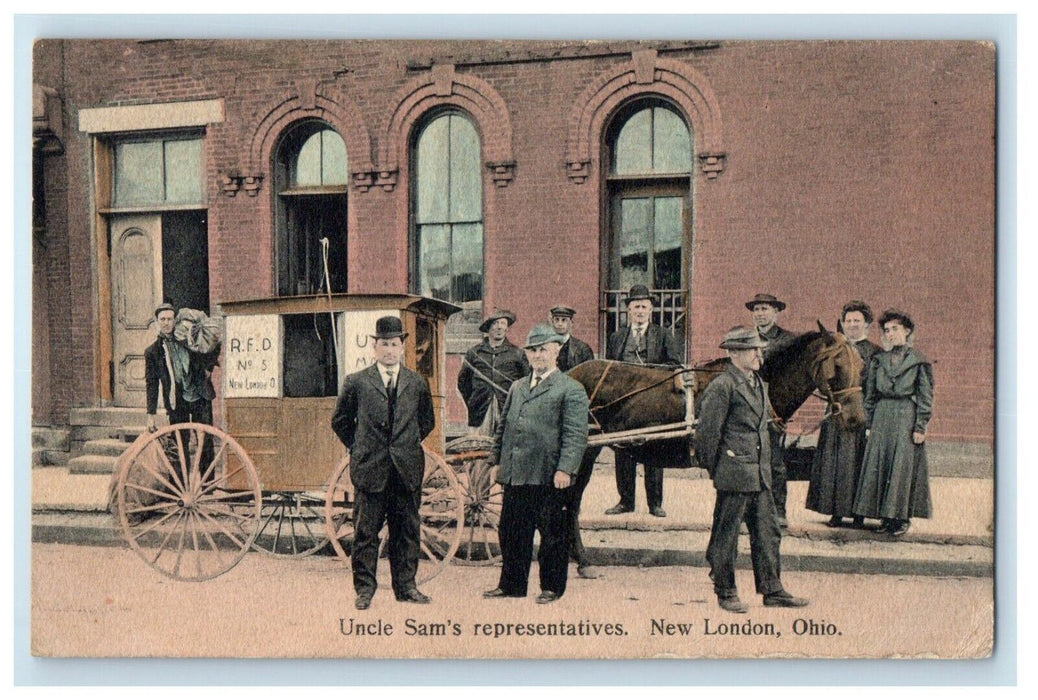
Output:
x=291 y=524
x=441 y=511
x=189 y=501
x=483 y=498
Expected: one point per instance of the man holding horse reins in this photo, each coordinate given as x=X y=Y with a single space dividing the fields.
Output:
x=488 y=371
x=732 y=443
x=645 y=343
x=765 y=309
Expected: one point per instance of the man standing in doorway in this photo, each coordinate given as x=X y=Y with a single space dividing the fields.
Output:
x=765 y=309
x=574 y=352
x=488 y=370
x=538 y=446
x=645 y=343
x=382 y=415
x=731 y=442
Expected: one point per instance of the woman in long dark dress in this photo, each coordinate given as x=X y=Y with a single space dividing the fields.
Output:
x=837 y=461
x=895 y=481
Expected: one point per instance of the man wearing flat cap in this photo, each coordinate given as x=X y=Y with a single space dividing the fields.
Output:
x=765 y=309
x=488 y=370
x=731 y=442
x=538 y=447
x=382 y=415
x=641 y=342
x=574 y=352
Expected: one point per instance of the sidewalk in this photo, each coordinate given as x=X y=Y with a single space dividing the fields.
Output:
x=957 y=541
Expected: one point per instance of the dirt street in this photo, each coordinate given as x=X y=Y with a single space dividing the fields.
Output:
x=103 y=601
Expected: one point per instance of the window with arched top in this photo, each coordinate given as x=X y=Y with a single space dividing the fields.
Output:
x=447 y=211
x=648 y=149
x=311 y=174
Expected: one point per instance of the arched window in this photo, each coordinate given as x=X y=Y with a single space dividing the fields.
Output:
x=447 y=205
x=648 y=187
x=311 y=174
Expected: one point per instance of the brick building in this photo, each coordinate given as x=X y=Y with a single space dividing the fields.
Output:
x=518 y=175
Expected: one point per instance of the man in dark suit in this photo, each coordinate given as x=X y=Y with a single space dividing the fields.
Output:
x=645 y=343
x=184 y=377
x=487 y=371
x=765 y=309
x=382 y=415
x=731 y=443
x=575 y=351
x=538 y=446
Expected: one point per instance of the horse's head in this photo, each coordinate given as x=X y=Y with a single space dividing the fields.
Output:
x=836 y=370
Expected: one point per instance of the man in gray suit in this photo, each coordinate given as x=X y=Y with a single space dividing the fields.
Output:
x=731 y=443
x=382 y=415
x=538 y=446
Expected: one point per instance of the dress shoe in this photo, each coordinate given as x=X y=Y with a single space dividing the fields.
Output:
x=732 y=604
x=900 y=528
x=585 y=571
x=498 y=593
x=858 y=523
x=618 y=509
x=548 y=597
x=783 y=525
x=658 y=512
x=414 y=596
x=783 y=599
x=363 y=601
x=835 y=521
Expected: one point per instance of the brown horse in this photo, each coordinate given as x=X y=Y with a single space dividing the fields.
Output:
x=627 y=396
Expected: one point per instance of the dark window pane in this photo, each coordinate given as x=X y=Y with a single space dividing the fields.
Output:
x=433 y=166
x=466 y=190
x=434 y=260
x=138 y=173
x=467 y=272
x=184 y=171
x=633 y=151
x=635 y=240
x=672 y=146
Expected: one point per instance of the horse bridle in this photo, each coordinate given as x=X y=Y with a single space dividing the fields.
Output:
x=601 y=380
x=824 y=391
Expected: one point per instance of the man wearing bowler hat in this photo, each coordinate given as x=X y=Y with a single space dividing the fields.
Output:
x=765 y=309
x=538 y=446
x=489 y=369
x=382 y=415
x=574 y=352
x=645 y=343
x=731 y=442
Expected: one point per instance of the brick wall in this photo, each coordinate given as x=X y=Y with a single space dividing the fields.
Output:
x=853 y=170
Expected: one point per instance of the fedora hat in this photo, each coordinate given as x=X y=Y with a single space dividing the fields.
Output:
x=564 y=311
x=765 y=299
x=499 y=313
x=743 y=338
x=638 y=292
x=389 y=327
x=540 y=334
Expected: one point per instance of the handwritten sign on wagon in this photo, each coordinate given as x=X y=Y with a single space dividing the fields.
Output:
x=356 y=329
x=252 y=364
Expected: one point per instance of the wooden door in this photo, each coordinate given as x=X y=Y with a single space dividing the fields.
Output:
x=136 y=259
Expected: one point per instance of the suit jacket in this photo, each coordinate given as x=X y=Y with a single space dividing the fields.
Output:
x=502 y=365
x=661 y=347
x=156 y=374
x=541 y=431
x=731 y=439
x=361 y=420
x=574 y=352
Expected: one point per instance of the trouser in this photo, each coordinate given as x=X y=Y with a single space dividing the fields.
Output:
x=574 y=495
x=200 y=411
x=398 y=506
x=778 y=472
x=525 y=509
x=757 y=509
x=627 y=471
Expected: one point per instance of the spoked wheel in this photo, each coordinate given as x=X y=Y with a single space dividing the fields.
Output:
x=441 y=512
x=291 y=524
x=189 y=501
x=483 y=498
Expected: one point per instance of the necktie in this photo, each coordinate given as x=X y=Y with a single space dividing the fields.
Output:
x=172 y=376
x=390 y=384
x=536 y=380
x=391 y=394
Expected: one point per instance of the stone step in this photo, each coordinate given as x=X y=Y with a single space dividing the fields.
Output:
x=110 y=447
x=55 y=439
x=109 y=416
x=49 y=458
x=92 y=464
